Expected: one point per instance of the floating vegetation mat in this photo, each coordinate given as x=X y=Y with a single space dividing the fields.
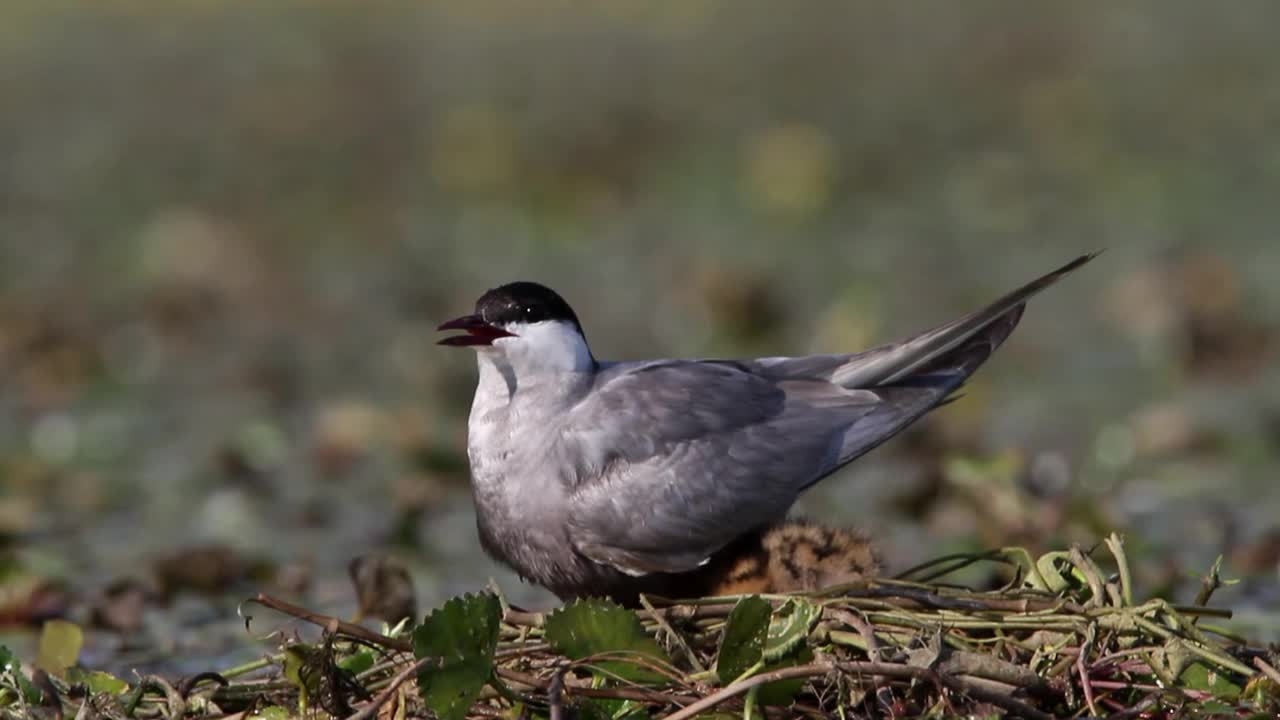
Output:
x=1064 y=638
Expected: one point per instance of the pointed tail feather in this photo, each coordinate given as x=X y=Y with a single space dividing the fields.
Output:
x=893 y=363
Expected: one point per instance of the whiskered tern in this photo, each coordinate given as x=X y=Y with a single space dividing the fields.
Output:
x=618 y=478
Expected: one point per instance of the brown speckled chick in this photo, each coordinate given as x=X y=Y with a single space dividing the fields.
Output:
x=794 y=556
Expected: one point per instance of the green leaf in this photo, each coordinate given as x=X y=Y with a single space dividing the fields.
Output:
x=594 y=709
x=297 y=659
x=357 y=663
x=609 y=709
x=463 y=634
x=744 y=635
x=9 y=663
x=273 y=712
x=1198 y=676
x=785 y=646
x=790 y=627
x=98 y=681
x=585 y=628
x=60 y=643
x=1047 y=564
x=1213 y=708
x=782 y=692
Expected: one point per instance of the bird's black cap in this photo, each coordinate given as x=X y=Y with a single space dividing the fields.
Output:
x=524 y=301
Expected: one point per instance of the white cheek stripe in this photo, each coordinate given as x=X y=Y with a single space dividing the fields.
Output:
x=549 y=345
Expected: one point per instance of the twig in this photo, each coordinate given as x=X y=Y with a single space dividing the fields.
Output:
x=929 y=597
x=555 y=690
x=863 y=668
x=989 y=667
x=1267 y=669
x=958 y=560
x=1092 y=576
x=1085 y=647
x=177 y=705
x=864 y=629
x=325 y=621
x=186 y=687
x=1116 y=545
x=369 y=710
x=1213 y=656
x=743 y=686
x=883 y=692
x=1136 y=710
x=1125 y=685
x=638 y=694
x=251 y=666
x=1198 y=611
x=983 y=694
x=522 y=618
x=934 y=597
x=521 y=650
x=1210 y=583
x=676 y=637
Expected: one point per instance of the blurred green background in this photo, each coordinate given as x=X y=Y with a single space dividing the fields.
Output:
x=228 y=230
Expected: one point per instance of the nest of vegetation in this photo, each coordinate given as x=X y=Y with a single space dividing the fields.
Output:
x=1063 y=638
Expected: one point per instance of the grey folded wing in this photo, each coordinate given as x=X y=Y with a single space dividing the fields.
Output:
x=679 y=458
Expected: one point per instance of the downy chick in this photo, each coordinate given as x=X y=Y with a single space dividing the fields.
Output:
x=795 y=556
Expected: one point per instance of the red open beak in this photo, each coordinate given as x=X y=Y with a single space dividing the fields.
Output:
x=478 y=332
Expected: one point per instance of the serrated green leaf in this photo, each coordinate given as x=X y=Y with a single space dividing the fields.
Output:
x=9 y=663
x=789 y=627
x=60 y=643
x=98 y=681
x=586 y=628
x=744 y=636
x=463 y=634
